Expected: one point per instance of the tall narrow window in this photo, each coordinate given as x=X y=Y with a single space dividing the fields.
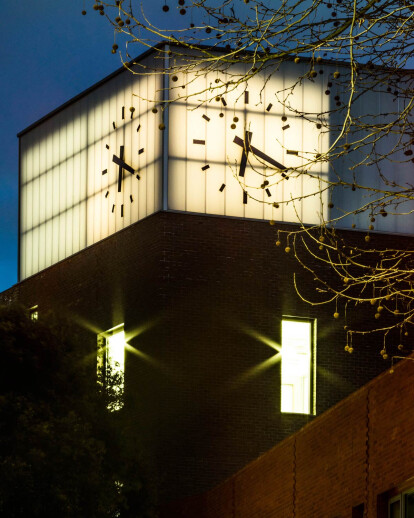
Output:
x=409 y=505
x=395 y=507
x=34 y=313
x=402 y=505
x=111 y=365
x=297 y=361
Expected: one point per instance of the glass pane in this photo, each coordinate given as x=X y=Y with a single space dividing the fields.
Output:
x=296 y=366
x=409 y=506
x=395 y=509
x=111 y=365
x=116 y=365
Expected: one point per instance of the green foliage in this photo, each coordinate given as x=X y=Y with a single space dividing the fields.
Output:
x=62 y=453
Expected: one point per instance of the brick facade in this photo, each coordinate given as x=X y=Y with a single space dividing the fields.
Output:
x=199 y=296
x=346 y=463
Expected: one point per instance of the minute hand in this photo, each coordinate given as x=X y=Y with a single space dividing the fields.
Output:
x=123 y=164
x=260 y=154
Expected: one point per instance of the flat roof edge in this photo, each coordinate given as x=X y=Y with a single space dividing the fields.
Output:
x=89 y=90
x=145 y=54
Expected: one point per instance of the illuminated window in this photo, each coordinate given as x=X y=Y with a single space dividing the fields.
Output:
x=34 y=313
x=111 y=364
x=402 y=506
x=297 y=366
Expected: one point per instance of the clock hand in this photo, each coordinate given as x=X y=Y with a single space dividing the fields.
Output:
x=258 y=153
x=122 y=164
x=246 y=149
x=120 y=172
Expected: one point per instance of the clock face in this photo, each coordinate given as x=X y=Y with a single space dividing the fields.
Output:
x=247 y=149
x=125 y=161
x=79 y=168
x=122 y=168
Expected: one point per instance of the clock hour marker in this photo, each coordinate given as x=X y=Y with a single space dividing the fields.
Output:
x=106 y=194
x=114 y=125
x=138 y=177
x=223 y=100
x=206 y=118
x=104 y=171
x=292 y=152
x=223 y=185
x=113 y=207
x=139 y=127
x=246 y=97
x=244 y=197
x=122 y=210
x=269 y=107
x=131 y=198
x=123 y=112
x=205 y=167
x=197 y=141
x=107 y=147
x=287 y=126
x=141 y=151
x=268 y=192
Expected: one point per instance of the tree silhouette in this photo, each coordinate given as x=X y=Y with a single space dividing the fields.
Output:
x=61 y=452
x=356 y=51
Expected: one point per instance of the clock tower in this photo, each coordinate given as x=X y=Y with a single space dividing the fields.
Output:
x=144 y=217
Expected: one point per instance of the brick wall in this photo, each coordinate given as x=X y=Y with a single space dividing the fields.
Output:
x=199 y=297
x=359 y=452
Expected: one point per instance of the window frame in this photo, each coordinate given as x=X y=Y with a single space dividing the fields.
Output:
x=34 y=313
x=103 y=364
x=401 y=497
x=312 y=362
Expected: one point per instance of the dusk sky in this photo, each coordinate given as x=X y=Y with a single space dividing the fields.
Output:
x=49 y=54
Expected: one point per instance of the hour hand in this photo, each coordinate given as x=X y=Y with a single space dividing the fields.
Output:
x=246 y=148
x=260 y=154
x=123 y=164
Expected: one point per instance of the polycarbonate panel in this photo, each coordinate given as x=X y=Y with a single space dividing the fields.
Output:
x=378 y=107
x=66 y=201
x=206 y=146
x=74 y=192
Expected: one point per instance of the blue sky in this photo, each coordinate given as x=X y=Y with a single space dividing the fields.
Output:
x=49 y=53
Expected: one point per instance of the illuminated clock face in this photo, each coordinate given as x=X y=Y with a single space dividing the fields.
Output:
x=247 y=151
x=92 y=168
x=122 y=167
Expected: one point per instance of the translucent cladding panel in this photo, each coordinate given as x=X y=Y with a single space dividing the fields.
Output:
x=396 y=167
x=177 y=144
x=315 y=141
x=253 y=124
x=296 y=366
x=214 y=167
x=142 y=136
x=346 y=168
x=376 y=165
x=64 y=179
x=49 y=193
x=128 y=144
x=235 y=124
x=124 y=157
x=207 y=133
x=154 y=139
x=197 y=153
x=300 y=137
x=64 y=200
